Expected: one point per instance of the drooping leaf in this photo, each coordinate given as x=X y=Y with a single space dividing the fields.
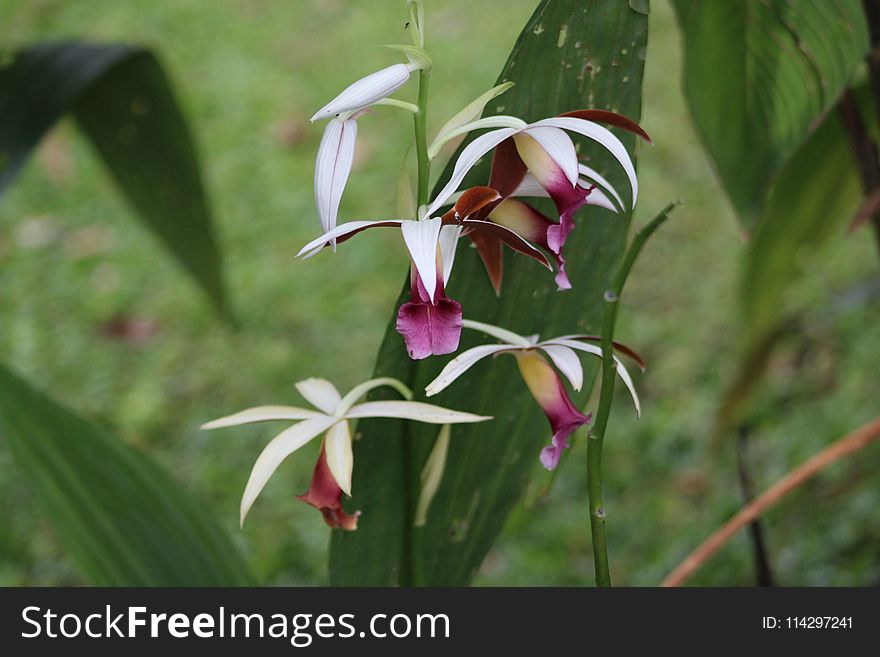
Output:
x=572 y=54
x=123 y=101
x=123 y=519
x=815 y=197
x=759 y=75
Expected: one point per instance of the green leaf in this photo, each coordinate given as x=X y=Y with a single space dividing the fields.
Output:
x=572 y=54
x=123 y=101
x=817 y=193
x=120 y=516
x=759 y=75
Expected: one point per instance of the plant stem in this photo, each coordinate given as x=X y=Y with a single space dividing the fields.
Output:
x=415 y=571
x=606 y=395
x=421 y=126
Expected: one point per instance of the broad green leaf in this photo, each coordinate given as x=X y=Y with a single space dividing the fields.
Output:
x=119 y=515
x=815 y=197
x=572 y=54
x=759 y=75
x=123 y=101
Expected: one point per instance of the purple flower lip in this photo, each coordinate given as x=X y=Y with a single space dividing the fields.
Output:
x=325 y=495
x=429 y=326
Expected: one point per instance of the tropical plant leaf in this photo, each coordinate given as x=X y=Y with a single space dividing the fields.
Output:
x=123 y=101
x=119 y=515
x=816 y=195
x=759 y=75
x=572 y=54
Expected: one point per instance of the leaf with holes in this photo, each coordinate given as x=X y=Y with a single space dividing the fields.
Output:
x=572 y=54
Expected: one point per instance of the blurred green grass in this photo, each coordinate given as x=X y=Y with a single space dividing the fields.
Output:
x=249 y=74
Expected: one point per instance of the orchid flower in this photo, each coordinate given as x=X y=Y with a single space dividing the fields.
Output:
x=430 y=322
x=540 y=159
x=542 y=380
x=332 y=474
x=336 y=152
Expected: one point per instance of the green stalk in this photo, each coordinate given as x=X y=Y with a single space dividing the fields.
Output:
x=598 y=513
x=416 y=575
x=420 y=119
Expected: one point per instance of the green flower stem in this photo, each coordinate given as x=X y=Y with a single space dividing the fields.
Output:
x=597 y=434
x=415 y=575
x=421 y=125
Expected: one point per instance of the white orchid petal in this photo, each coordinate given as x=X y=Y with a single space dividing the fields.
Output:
x=317 y=244
x=559 y=148
x=598 y=198
x=262 y=414
x=597 y=351
x=332 y=168
x=529 y=186
x=628 y=382
x=567 y=362
x=421 y=239
x=448 y=243
x=361 y=389
x=604 y=137
x=340 y=460
x=502 y=334
x=468 y=158
x=594 y=176
x=366 y=91
x=320 y=393
x=409 y=410
x=497 y=121
x=461 y=364
x=282 y=446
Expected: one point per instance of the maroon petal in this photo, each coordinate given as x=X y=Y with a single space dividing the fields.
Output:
x=325 y=495
x=611 y=118
x=470 y=202
x=489 y=248
x=430 y=329
x=508 y=169
x=507 y=236
x=527 y=222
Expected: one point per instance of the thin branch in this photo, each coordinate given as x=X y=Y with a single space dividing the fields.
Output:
x=849 y=444
x=763 y=571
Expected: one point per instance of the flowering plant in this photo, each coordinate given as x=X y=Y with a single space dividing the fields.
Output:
x=529 y=159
